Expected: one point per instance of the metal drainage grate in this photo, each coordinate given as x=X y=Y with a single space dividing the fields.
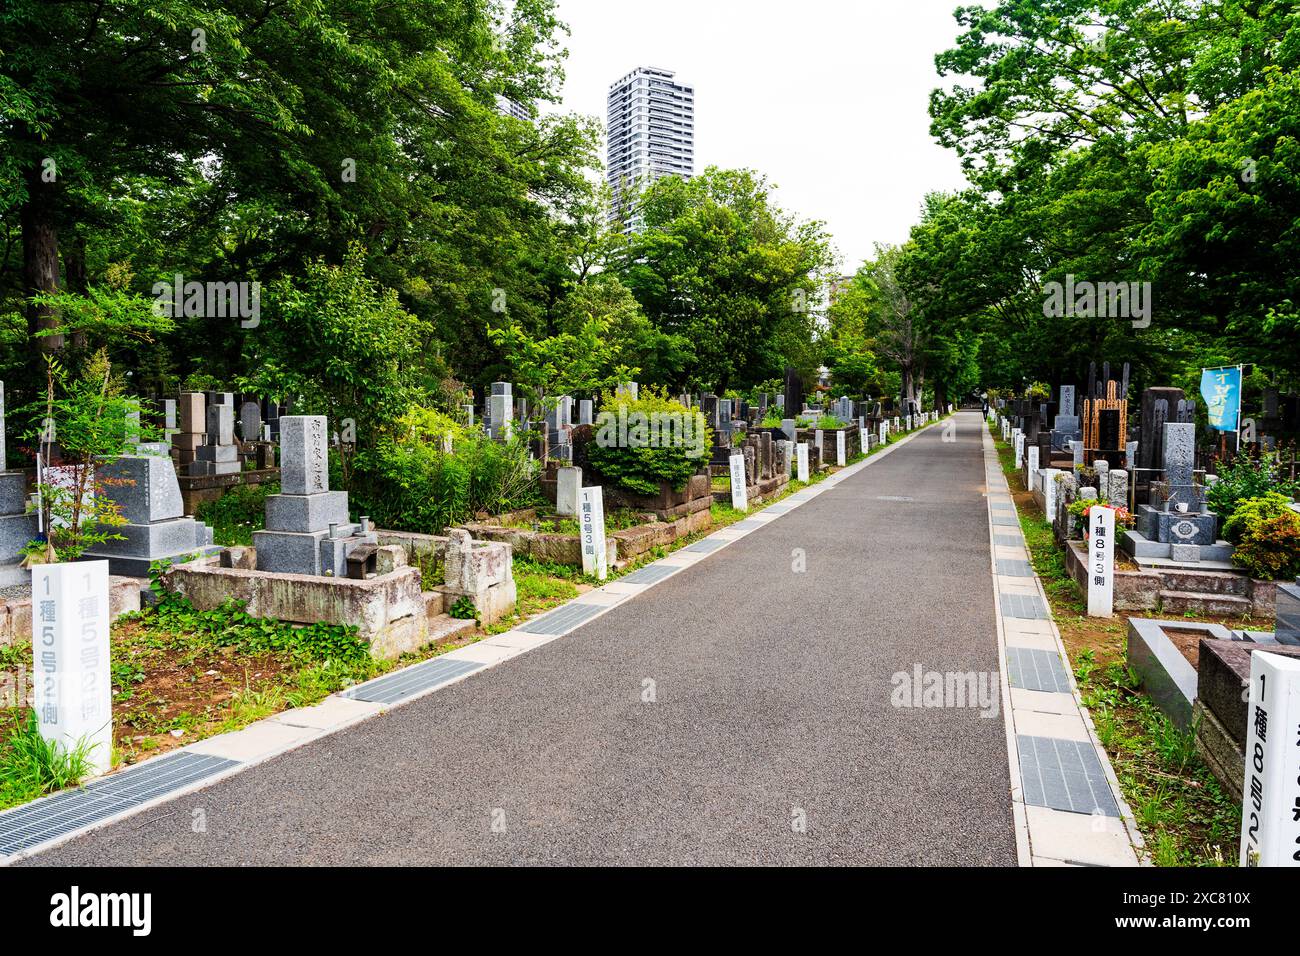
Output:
x=1027 y=607
x=707 y=546
x=777 y=509
x=564 y=619
x=651 y=574
x=1005 y=521
x=1002 y=506
x=411 y=681
x=1030 y=668
x=894 y=498
x=1064 y=775
x=1010 y=540
x=74 y=810
x=749 y=524
x=1015 y=569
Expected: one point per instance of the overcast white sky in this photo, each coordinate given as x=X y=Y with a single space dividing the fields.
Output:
x=827 y=98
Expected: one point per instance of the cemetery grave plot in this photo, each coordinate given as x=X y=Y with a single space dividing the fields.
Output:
x=1185 y=814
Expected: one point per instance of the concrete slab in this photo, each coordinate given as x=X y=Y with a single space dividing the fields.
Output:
x=256 y=741
x=331 y=713
x=1079 y=838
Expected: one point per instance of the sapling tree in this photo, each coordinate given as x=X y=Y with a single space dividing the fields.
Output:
x=83 y=416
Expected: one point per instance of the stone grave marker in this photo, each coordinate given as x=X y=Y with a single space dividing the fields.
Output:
x=72 y=682
x=568 y=484
x=739 y=492
x=591 y=521
x=841 y=456
x=802 y=453
x=1270 y=810
x=250 y=421
x=1101 y=561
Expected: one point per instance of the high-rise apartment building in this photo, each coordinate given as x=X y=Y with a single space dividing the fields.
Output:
x=651 y=134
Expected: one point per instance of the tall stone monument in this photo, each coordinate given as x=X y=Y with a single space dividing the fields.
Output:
x=308 y=530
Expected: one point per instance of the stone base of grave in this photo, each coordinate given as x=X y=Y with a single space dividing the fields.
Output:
x=390 y=611
x=482 y=571
x=309 y=552
x=1168 y=678
x=1189 y=527
x=1217 y=556
x=1174 y=589
x=1223 y=677
x=176 y=540
x=1223 y=755
x=202 y=469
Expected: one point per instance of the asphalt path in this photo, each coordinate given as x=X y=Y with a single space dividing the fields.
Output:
x=770 y=739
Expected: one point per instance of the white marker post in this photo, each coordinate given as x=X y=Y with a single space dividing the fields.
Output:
x=591 y=521
x=73 y=682
x=802 y=454
x=739 y=493
x=1101 y=561
x=1270 y=806
x=884 y=433
x=841 y=455
x=864 y=439
x=1033 y=466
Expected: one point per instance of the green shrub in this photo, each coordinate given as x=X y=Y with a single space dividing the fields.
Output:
x=1247 y=478
x=1249 y=512
x=238 y=513
x=408 y=483
x=638 y=459
x=1270 y=549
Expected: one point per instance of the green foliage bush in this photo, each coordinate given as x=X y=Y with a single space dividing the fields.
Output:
x=1247 y=478
x=1270 y=549
x=638 y=465
x=1250 y=512
x=238 y=513
x=408 y=483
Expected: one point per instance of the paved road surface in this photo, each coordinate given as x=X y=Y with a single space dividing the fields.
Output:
x=773 y=697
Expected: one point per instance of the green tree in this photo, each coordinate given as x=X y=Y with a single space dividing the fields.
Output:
x=720 y=265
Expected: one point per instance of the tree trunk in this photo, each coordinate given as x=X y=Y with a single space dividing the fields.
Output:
x=40 y=259
x=74 y=269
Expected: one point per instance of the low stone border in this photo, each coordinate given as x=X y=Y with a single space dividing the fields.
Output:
x=1168 y=677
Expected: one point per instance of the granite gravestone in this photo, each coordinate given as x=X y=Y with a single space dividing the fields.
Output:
x=250 y=422
x=148 y=495
x=308 y=530
x=218 y=454
x=16 y=526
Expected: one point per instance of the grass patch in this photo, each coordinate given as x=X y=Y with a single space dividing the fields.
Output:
x=31 y=767
x=238 y=513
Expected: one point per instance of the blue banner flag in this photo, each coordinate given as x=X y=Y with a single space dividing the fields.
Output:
x=1221 y=389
